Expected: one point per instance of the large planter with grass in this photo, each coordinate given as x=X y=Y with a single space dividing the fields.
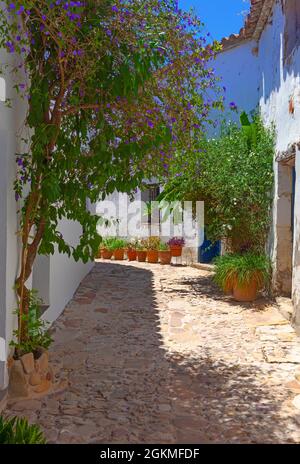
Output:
x=242 y=275
x=246 y=291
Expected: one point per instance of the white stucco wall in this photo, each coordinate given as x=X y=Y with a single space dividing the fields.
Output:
x=269 y=80
x=65 y=274
x=280 y=84
x=279 y=81
x=238 y=70
x=9 y=124
x=265 y=79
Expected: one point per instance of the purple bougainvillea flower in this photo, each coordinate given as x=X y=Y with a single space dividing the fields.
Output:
x=233 y=106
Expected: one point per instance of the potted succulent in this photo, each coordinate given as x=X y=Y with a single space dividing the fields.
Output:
x=244 y=274
x=164 y=254
x=152 y=245
x=141 y=251
x=131 y=250
x=176 y=244
x=107 y=247
x=119 y=246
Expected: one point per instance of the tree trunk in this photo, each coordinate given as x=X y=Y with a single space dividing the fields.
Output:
x=28 y=255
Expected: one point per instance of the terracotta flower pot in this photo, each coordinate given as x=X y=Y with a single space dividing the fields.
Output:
x=141 y=255
x=106 y=254
x=165 y=257
x=131 y=255
x=246 y=292
x=152 y=256
x=119 y=254
x=176 y=250
x=229 y=285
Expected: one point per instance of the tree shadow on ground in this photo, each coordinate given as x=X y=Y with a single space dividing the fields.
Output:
x=204 y=285
x=126 y=386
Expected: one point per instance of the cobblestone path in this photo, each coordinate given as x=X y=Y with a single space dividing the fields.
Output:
x=155 y=354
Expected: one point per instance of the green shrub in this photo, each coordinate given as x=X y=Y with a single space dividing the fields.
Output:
x=233 y=175
x=17 y=431
x=38 y=329
x=113 y=243
x=164 y=247
x=242 y=269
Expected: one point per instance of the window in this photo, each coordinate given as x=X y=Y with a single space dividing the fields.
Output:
x=149 y=195
x=292 y=27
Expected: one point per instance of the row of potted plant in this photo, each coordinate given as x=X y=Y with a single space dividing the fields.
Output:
x=151 y=249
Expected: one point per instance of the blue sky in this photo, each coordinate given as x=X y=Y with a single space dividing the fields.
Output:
x=221 y=17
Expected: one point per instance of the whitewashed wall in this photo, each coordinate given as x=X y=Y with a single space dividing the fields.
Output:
x=280 y=85
x=279 y=81
x=268 y=81
x=9 y=123
x=65 y=274
x=238 y=70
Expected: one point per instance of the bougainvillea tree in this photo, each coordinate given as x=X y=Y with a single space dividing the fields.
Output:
x=114 y=88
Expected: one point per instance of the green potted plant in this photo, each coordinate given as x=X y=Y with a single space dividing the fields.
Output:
x=131 y=250
x=30 y=372
x=119 y=246
x=164 y=254
x=223 y=276
x=141 y=250
x=176 y=244
x=107 y=247
x=152 y=245
x=244 y=274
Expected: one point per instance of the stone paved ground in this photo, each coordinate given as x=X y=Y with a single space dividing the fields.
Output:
x=155 y=354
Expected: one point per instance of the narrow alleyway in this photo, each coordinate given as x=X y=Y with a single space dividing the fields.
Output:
x=156 y=354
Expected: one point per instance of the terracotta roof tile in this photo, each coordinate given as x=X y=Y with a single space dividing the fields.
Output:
x=254 y=25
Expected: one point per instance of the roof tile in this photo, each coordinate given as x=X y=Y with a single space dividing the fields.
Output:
x=254 y=25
